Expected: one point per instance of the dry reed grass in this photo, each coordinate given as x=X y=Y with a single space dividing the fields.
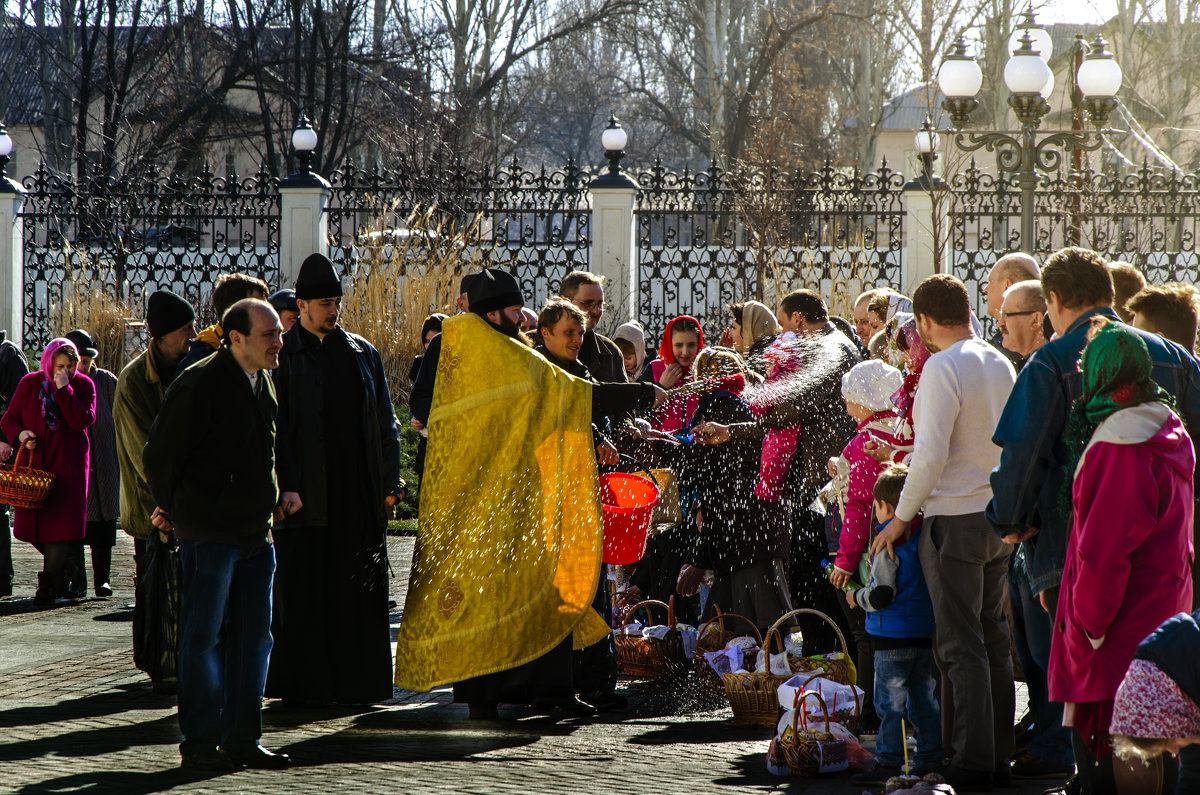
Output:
x=87 y=300
x=399 y=279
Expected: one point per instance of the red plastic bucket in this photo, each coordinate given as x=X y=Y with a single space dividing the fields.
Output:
x=626 y=502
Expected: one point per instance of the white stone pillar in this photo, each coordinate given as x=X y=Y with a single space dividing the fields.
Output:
x=303 y=224
x=613 y=252
x=924 y=242
x=12 y=260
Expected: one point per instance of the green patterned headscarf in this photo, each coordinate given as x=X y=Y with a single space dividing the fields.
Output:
x=1116 y=375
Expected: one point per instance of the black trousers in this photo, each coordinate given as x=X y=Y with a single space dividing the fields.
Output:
x=595 y=668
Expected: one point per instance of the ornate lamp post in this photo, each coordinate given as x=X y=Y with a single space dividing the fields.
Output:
x=1030 y=82
x=613 y=139
x=927 y=142
x=304 y=141
x=6 y=147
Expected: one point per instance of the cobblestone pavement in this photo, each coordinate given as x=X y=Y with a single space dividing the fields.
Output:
x=76 y=716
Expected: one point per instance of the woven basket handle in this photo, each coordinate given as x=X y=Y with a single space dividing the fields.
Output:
x=808 y=610
x=720 y=618
x=799 y=711
x=649 y=616
x=16 y=465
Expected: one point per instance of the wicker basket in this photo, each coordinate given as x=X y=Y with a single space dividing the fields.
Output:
x=752 y=696
x=651 y=658
x=715 y=640
x=807 y=752
x=839 y=669
x=24 y=486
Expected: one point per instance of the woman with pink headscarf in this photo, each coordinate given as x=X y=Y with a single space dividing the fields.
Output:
x=49 y=414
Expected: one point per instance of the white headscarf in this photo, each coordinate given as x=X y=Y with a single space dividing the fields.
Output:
x=871 y=384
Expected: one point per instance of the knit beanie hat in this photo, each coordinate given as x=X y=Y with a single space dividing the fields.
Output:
x=493 y=289
x=167 y=312
x=317 y=279
x=871 y=384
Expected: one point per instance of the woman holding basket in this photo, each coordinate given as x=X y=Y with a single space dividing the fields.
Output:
x=48 y=416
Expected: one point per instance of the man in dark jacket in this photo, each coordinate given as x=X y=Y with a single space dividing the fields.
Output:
x=338 y=458
x=598 y=353
x=218 y=497
x=811 y=398
x=13 y=367
x=561 y=328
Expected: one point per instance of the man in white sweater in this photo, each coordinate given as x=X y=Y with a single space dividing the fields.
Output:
x=964 y=386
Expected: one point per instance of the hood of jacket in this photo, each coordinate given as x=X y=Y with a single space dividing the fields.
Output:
x=1154 y=426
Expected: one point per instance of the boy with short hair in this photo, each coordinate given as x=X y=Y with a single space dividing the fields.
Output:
x=1171 y=311
x=900 y=621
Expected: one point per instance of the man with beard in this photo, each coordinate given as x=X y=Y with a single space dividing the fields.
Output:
x=507 y=560
x=338 y=458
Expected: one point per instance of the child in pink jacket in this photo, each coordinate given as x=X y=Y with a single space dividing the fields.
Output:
x=867 y=390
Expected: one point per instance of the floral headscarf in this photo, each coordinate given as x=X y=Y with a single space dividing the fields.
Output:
x=50 y=409
x=1116 y=375
x=1151 y=704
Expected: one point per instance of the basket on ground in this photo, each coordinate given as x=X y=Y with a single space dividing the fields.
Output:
x=640 y=657
x=713 y=636
x=836 y=666
x=24 y=486
x=810 y=752
x=752 y=695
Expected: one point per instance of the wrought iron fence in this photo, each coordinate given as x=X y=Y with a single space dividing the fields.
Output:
x=128 y=236
x=1149 y=218
x=535 y=222
x=707 y=239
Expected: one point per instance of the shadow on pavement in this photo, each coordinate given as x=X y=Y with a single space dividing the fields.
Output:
x=433 y=734
x=94 y=742
x=703 y=732
x=129 y=783
x=121 y=698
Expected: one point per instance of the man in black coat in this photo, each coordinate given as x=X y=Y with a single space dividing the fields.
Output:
x=561 y=327
x=338 y=455
x=210 y=462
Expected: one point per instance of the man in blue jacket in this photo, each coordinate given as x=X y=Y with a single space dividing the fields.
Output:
x=1029 y=503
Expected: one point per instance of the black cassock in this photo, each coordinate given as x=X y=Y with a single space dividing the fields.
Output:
x=330 y=611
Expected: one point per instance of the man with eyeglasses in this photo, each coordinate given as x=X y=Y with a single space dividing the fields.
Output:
x=1022 y=319
x=599 y=354
x=1008 y=270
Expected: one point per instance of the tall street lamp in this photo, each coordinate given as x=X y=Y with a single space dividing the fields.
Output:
x=1030 y=82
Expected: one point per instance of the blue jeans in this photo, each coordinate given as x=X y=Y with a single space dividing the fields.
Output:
x=1048 y=739
x=904 y=689
x=224 y=644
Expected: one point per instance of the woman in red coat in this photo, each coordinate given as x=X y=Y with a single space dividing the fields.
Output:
x=1129 y=558
x=50 y=414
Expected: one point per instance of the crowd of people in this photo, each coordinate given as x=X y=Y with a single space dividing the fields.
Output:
x=952 y=501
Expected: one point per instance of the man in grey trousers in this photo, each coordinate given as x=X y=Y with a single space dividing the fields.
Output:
x=964 y=386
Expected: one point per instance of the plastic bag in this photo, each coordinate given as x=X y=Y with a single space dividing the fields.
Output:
x=156 y=651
